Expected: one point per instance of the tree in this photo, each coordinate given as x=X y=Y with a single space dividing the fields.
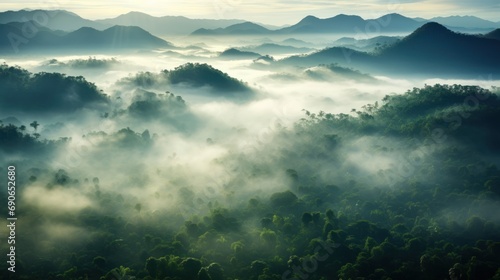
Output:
x=203 y=274
x=306 y=218
x=100 y=262
x=215 y=271
x=152 y=266
x=34 y=124
x=190 y=268
x=283 y=199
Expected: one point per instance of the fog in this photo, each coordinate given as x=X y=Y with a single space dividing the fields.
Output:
x=159 y=152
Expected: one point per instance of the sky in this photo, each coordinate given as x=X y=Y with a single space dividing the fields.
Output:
x=277 y=12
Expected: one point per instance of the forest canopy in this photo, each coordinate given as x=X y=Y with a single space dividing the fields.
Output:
x=44 y=92
x=426 y=211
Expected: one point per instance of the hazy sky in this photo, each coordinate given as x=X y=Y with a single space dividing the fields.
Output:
x=268 y=11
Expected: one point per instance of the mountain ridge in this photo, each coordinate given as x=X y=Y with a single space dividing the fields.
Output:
x=82 y=39
x=431 y=50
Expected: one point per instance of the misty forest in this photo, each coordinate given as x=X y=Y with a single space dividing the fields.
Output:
x=174 y=148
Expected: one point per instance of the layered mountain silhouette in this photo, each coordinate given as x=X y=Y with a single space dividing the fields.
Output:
x=353 y=24
x=313 y=25
x=466 y=22
x=271 y=48
x=431 y=50
x=374 y=43
x=83 y=39
x=495 y=34
x=245 y=28
x=52 y=19
x=233 y=53
x=179 y=25
x=167 y=25
x=159 y=26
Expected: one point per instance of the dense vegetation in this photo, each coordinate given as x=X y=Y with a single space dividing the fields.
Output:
x=89 y=63
x=192 y=75
x=403 y=189
x=432 y=50
x=46 y=92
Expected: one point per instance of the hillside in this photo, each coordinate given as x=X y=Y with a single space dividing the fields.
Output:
x=52 y=19
x=191 y=75
x=167 y=25
x=465 y=21
x=245 y=28
x=431 y=50
x=495 y=34
x=434 y=49
x=84 y=39
x=45 y=93
x=349 y=24
x=233 y=53
x=271 y=48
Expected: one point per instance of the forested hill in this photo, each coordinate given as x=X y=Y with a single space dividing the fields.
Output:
x=430 y=51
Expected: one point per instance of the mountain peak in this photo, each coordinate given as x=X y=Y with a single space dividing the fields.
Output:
x=395 y=15
x=495 y=34
x=432 y=28
x=344 y=17
x=136 y=14
x=309 y=19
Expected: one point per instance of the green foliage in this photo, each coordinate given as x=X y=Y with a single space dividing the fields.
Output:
x=45 y=92
x=337 y=206
x=283 y=199
x=191 y=74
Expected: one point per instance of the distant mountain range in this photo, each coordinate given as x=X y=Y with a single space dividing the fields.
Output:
x=159 y=26
x=84 y=39
x=351 y=24
x=466 y=22
x=178 y=25
x=245 y=28
x=53 y=19
x=167 y=25
x=431 y=50
x=271 y=48
x=372 y=44
x=233 y=53
x=345 y=24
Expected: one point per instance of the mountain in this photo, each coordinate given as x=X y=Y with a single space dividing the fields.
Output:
x=466 y=22
x=311 y=24
x=297 y=43
x=495 y=34
x=353 y=24
x=14 y=41
x=431 y=50
x=191 y=75
x=115 y=37
x=83 y=39
x=392 y=23
x=233 y=53
x=167 y=25
x=53 y=19
x=271 y=48
x=245 y=28
x=435 y=49
x=371 y=44
x=341 y=56
x=37 y=28
x=339 y=24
